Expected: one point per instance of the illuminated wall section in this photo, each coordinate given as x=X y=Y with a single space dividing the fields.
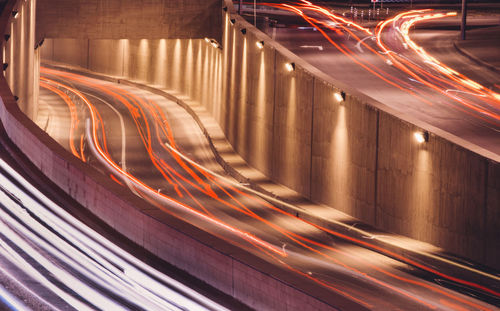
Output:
x=21 y=73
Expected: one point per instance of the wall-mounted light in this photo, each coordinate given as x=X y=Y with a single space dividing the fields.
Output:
x=6 y=37
x=207 y=40
x=14 y=14
x=290 y=66
x=244 y=31
x=225 y=9
x=5 y=66
x=339 y=96
x=421 y=137
x=40 y=43
x=232 y=20
x=260 y=44
x=16 y=98
x=214 y=43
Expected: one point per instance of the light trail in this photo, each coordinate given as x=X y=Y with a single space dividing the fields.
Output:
x=483 y=105
x=69 y=250
x=209 y=186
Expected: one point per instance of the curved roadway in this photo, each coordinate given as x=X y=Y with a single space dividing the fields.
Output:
x=152 y=146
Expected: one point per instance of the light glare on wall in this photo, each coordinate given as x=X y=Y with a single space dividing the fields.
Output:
x=421 y=137
x=212 y=42
x=339 y=96
x=290 y=66
x=260 y=44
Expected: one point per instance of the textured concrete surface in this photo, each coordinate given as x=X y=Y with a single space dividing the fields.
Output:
x=22 y=70
x=433 y=192
x=130 y=19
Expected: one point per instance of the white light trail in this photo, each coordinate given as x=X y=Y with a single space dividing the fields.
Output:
x=26 y=217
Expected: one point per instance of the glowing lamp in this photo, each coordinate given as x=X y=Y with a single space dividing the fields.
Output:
x=421 y=137
x=14 y=14
x=244 y=31
x=260 y=44
x=232 y=20
x=339 y=96
x=207 y=40
x=290 y=66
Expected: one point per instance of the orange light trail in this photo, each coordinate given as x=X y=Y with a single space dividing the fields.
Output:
x=139 y=116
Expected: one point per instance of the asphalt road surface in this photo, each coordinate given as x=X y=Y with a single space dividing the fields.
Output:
x=154 y=148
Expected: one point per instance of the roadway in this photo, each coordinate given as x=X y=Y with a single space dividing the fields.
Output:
x=52 y=260
x=154 y=148
x=386 y=62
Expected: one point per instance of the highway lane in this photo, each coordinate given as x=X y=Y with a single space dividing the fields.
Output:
x=49 y=260
x=150 y=158
x=382 y=63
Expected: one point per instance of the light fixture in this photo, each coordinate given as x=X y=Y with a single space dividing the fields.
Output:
x=260 y=44
x=14 y=14
x=16 y=98
x=421 y=137
x=6 y=37
x=339 y=96
x=40 y=43
x=232 y=20
x=207 y=40
x=244 y=31
x=225 y=9
x=5 y=66
x=214 y=43
x=290 y=66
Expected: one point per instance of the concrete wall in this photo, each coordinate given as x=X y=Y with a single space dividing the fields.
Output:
x=357 y=156
x=131 y=19
x=18 y=53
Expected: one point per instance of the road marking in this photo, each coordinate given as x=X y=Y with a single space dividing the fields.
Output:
x=358 y=45
x=319 y=47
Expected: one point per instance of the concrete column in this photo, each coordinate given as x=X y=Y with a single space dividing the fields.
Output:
x=20 y=55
